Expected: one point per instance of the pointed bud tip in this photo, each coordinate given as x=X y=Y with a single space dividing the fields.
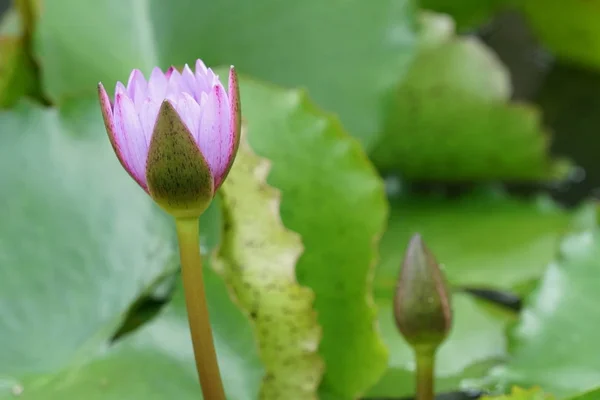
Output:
x=422 y=300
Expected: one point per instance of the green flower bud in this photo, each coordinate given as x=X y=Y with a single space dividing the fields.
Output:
x=422 y=306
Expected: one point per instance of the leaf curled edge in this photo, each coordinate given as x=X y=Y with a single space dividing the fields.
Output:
x=257 y=259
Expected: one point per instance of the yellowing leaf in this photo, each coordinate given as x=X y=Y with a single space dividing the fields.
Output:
x=257 y=259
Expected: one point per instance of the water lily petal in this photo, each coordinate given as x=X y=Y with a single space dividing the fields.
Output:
x=148 y=113
x=214 y=136
x=174 y=87
x=137 y=87
x=129 y=138
x=189 y=112
x=190 y=84
x=157 y=85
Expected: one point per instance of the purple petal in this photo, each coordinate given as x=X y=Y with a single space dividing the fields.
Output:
x=205 y=78
x=235 y=113
x=174 y=87
x=157 y=85
x=189 y=83
x=148 y=114
x=129 y=137
x=189 y=112
x=109 y=123
x=137 y=87
x=214 y=136
x=200 y=67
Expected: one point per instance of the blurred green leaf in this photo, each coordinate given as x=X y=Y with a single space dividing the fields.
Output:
x=569 y=31
x=332 y=197
x=346 y=52
x=476 y=343
x=81 y=242
x=522 y=394
x=591 y=395
x=455 y=123
x=552 y=345
x=258 y=259
x=483 y=240
x=17 y=71
x=157 y=362
x=467 y=13
x=17 y=76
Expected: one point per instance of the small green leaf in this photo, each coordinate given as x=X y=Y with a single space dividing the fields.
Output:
x=332 y=197
x=258 y=260
x=456 y=123
x=552 y=344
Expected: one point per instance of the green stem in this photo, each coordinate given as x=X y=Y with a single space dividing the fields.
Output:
x=195 y=298
x=425 y=373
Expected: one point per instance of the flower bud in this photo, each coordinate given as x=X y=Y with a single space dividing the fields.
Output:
x=422 y=306
x=176 y=134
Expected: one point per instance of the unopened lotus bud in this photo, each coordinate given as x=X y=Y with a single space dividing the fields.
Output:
x=176 y=134
x=422 y=306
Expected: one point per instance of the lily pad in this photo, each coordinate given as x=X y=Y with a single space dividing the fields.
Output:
x=571 y=33
x=591 y=395
x=457 y=124
x=483 y=240
x=469 y=14
x=347 y=53
x=333 y=197
x=81 y=244
x=550 y=346
x=258 y=258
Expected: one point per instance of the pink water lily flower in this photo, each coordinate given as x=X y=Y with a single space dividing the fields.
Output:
x=176 y=133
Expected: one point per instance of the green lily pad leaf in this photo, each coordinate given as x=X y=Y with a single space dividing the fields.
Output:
x=591 y=395
x=476 y=343
x=157 y=362
x=333 y=198
x=347 y=53
x=82 y=242
x=456 y=123
x=571 y=33
x=522 y=394
x=257 y=259
x=483 y=240
x=550 y=346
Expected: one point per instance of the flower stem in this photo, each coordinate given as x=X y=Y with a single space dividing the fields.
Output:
x=425 y=373
x=195 y=298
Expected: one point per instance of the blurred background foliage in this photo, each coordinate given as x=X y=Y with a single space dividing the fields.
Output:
x=472 y=122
